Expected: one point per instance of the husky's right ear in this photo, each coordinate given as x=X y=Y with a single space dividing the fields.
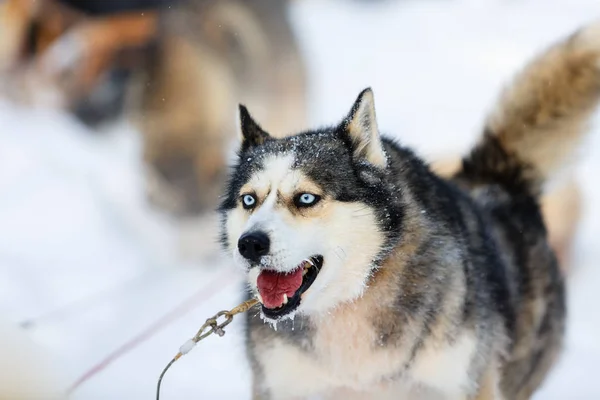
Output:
x=361 y=126
x=252 y=133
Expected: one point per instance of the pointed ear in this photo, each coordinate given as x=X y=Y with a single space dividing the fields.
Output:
x=252 y=133
x=361 y=126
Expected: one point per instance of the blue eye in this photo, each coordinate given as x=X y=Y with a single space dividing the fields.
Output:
x=306 y=200
x=249 y=201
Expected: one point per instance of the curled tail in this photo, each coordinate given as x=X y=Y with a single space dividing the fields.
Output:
x=541 y=117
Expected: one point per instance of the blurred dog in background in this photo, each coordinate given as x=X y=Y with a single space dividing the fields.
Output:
x=177 y=68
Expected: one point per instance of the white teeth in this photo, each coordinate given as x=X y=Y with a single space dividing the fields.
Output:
x=307 y=264
x=304 y=272
x=259 y=297
x=285 y=299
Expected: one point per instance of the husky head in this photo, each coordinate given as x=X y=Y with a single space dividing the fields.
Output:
x=310 y=216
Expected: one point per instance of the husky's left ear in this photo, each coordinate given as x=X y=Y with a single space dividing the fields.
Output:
x=361 y=126
x=252 y=133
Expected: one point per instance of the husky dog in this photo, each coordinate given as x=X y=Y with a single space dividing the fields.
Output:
x=380 y=279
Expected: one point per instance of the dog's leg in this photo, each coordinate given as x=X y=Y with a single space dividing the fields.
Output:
x=257 y=392
x=561 y=208
x=489 y=388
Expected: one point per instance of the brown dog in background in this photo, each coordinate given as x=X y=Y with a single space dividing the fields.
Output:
x=176 y=68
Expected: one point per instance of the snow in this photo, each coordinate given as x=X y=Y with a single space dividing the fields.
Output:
x=90 y=266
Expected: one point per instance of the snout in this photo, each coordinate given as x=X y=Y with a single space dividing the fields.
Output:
x=253 y=245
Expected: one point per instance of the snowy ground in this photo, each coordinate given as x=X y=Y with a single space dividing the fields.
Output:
x=90 y=267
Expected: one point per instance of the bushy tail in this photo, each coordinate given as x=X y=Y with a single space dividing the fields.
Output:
x=541 y=117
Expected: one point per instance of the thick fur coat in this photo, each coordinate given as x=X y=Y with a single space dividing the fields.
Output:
x=381 y=279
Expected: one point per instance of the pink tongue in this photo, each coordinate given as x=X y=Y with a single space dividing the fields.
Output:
x=273 y=285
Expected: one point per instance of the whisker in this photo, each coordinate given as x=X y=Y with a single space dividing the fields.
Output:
x=360 y=215
x=336 y=251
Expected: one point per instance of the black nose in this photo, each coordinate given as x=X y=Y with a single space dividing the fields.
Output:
x=254 y=245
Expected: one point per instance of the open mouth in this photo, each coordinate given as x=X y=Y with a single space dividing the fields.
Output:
x=281 y=293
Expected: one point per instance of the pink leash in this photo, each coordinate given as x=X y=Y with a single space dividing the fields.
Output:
x=209 y=290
